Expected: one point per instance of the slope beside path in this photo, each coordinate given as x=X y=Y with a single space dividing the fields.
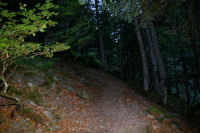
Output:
x=72 y=99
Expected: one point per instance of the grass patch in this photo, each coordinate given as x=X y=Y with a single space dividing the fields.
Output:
x=14 y=91
x=154 y=110
x=157 y=113
x=176 y=124
x=28 y=112
x=33 y=95
x=26 y=94
x=171 y=115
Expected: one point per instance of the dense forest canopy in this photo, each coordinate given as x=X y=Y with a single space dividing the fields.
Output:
x=154 y=45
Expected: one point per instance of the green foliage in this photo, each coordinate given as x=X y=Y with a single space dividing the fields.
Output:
x=89 y=58
x=38 y=63
x=75 y=26
x=19 y=25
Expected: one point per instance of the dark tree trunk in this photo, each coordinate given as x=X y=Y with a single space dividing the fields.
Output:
x=100 y=36
x=169 y=90
x=185 y=79
x=177 y=90
x=159 y=62
x=197 y=15
x=195 y=50
x=110 y=60
x=153 y=61
x=143 y=57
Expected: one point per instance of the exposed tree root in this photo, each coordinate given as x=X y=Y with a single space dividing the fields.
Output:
x=9 y=104
x=10 y=97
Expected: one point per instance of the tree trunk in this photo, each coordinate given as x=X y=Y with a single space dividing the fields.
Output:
x=159 y=62
x=2 y=77
x=100 y=36
x=143 y=57
x=168 y=81
x=153 y=62
x=177 y=90
x=5 y=84
x=195 y=50
x=197 y=14
x=185 y=79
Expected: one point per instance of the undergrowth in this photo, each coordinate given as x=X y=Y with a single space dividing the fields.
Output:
x=28 y=112
x=39 y=63
x=26 y=94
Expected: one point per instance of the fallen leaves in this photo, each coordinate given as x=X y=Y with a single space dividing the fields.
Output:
x=73 y=113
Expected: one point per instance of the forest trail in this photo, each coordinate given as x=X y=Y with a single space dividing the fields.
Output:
x=116 y=108
x=115 y=114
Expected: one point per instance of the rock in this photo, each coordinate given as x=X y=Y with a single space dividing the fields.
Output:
x=68 y=88
x=48 y=115
x=17 y=78
x=102 y=126
x=51 y=72
x=47 y=123
x=15 y=126
x=57 y=127
x=149 y=117
x=53 y=85
x=30 y=85
x=55 y=78
x=81 y=102
x=38 y=130
x=85 y=95
x=39 y=80
x=128 y=100
x=154 y=127
x=162 y=116
x=29 y=102
x=35 y=81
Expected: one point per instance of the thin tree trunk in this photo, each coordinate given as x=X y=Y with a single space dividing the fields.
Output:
x=2 y=77
x=153 y=62
x=177 y=90
x=121 y=63
x=143 y=57
x=159 y=62
x=110 y=60
x=100 y=36
x=185 y=80
x=5 y=84
x=168 y=81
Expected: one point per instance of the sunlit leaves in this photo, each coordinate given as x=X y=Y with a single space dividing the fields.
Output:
x=19 y=25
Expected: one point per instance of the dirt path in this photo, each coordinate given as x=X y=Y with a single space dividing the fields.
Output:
x=114 y=114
